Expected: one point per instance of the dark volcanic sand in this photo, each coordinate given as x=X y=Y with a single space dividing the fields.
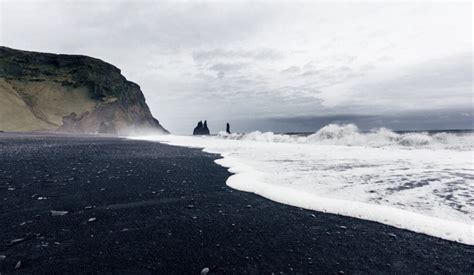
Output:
x=165 y=209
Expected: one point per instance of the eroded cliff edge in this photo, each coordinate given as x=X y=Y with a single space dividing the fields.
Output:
x=69 y=93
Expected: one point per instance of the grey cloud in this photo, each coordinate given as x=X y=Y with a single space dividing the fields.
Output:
x=344 y=69
x=268 y=54
x=258 y=54
x=252 y=61
x=368 y=67
x=226 y=67
x=292 y=69
x=444 y=82
x=308 y=65
x=310 y=73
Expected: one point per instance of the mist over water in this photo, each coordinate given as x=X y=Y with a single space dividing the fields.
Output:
x=421 y=181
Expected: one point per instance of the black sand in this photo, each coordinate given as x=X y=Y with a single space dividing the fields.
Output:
x=165 y=209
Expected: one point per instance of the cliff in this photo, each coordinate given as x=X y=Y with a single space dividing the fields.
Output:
x=69 y=93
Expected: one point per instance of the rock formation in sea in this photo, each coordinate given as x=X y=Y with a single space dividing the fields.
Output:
x=227 y=128
x=69 y=93
x=201 y=129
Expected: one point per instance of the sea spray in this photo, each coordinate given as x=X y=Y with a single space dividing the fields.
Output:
x=349 y=134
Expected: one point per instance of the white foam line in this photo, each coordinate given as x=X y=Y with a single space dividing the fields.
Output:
x=247 y=179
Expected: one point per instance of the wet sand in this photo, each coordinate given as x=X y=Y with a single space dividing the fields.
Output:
x=142 y=207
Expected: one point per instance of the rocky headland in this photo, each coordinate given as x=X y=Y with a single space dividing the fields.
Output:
x=69 y=93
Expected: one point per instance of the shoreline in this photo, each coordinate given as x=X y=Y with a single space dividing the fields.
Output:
x=245 y=179
x=145 y=207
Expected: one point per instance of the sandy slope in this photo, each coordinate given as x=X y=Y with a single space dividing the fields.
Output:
x=39 y=105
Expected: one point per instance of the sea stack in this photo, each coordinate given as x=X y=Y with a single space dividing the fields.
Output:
x=201 y=129
x=227 y=128
x=69 y=93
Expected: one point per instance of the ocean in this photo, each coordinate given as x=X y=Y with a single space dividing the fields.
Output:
x=420 y=181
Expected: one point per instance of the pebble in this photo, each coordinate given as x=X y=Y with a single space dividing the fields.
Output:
x=392 y=235
x=2 y=257
x=15 y=241
x=92 y=220
x=190 y=206
x=58 y=213
x=204 y=271
x=18 y=265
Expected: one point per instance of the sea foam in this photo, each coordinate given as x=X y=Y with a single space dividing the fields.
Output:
x=417 y=181
x=349 y=134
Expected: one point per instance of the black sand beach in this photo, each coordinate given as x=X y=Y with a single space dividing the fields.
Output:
x=142 y=207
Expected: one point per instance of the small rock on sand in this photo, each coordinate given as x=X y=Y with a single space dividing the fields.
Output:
x=18 y=265
x=58 y=213
x=204 y=271
x=15 y=241
x=92 y=220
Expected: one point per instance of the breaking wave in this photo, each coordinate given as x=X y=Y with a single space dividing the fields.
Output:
x=349 y=134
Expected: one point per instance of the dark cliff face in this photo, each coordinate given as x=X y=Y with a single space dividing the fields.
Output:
x=118 y=105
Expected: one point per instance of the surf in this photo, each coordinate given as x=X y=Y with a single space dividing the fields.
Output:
x=419 y=181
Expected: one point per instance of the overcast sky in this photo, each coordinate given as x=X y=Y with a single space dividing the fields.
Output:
x=271 y=66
